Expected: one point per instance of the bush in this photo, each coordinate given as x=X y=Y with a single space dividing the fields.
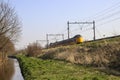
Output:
x=34 y=49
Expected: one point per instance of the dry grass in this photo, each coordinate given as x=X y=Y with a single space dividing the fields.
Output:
x=99 y=54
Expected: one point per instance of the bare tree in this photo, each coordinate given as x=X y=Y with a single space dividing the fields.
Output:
x=9 y=24
x=10 y=28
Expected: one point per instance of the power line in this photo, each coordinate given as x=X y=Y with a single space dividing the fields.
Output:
x=68 y=23
x=98 y=32
x=108 y=16
x=47 y=37
x=109 y=21
x=99 y=17
x=101 y=13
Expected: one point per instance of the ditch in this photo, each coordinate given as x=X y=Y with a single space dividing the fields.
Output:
x=10 y=70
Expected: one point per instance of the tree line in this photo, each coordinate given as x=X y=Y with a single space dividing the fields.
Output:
x=10 y=28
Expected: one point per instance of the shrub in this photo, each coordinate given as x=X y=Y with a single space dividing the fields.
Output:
x=34 y=49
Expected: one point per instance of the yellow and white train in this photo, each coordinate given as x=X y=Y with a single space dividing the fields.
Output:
x=77 y=39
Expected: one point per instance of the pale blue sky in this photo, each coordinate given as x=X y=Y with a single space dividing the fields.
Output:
x=41 y=17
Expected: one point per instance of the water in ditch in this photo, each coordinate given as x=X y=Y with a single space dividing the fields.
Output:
x=10 y=70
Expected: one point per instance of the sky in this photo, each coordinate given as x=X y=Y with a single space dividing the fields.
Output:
x=41 y=17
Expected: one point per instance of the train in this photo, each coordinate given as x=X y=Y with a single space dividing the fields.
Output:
x=77 y=39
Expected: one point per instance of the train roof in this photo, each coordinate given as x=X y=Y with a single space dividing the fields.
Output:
x=77 y=36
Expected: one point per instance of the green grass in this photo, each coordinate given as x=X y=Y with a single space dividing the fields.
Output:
x=38 y=69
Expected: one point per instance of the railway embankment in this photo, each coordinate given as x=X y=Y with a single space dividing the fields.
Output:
x=97 y=60
x=102 y=53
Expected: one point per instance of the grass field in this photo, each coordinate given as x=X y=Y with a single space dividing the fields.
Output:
x=38 y=69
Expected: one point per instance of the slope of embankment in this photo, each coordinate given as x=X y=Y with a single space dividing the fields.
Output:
x=102 y=53
x=39 y=69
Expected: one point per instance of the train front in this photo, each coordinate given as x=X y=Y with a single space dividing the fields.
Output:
x=79 y=39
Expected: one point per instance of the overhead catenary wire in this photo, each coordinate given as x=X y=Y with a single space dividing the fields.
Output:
x=101 y=18
x=105 y=11
x=108 y=16
x=118 y=18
